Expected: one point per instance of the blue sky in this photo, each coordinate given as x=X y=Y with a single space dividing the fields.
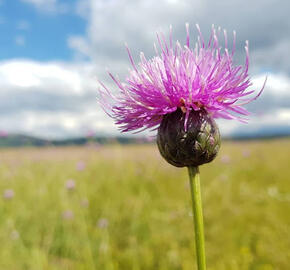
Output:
x=29 y=32
x=52 y=52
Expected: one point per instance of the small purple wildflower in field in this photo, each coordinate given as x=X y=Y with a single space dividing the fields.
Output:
x=224 y=177
x=94 y=146
x=91 y=133
x=8 y=194
x=246 y=153
x=103 y=223
x=14 y=235
x=68 y=215
x=192 y=79
x=70 y=185
x=81 y=165
x=149 y=139
x=84 y=203
x=225 y=159
x=104 y=247
x=3 y=134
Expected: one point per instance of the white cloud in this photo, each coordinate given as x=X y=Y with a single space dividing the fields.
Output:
x=82 y=8
x=274 y=56
x=108 y=29
x=57 y=124
x=80 y=45
x=112 y=23
x=58 y=99
x=48 y=6
x=270 y=111
x=72 y=78
x=50 y=99
x=227 y=127
x=284 y=115
x=257 y=123
x=277 y=84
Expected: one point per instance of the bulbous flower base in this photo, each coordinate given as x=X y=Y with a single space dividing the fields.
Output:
x=196 y=145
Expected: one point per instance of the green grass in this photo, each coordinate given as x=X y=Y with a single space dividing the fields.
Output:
x=138 y=214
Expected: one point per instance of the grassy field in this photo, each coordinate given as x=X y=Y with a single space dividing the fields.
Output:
x=123 y=207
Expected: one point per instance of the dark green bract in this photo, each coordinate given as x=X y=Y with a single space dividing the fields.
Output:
x=197 y=145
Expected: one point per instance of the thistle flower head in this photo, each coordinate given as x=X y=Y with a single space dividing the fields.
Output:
x=179 y=92
x=198 y=144
x=202 y=77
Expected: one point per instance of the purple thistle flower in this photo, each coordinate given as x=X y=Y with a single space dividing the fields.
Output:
x=203 y=78
x=179 y=92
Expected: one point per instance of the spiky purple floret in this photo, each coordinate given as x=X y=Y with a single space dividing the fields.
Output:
x=181 y=77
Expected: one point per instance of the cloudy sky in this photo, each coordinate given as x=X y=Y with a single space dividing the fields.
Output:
x=52 y=52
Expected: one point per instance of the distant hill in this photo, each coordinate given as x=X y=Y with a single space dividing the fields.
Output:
x=264 y=132
x=18 y=140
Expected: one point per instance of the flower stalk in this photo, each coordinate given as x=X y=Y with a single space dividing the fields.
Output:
x=197 y=216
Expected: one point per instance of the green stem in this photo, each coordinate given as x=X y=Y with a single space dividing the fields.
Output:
x=197 y=216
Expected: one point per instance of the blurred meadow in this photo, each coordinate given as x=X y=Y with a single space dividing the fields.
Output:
x=123 y=207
